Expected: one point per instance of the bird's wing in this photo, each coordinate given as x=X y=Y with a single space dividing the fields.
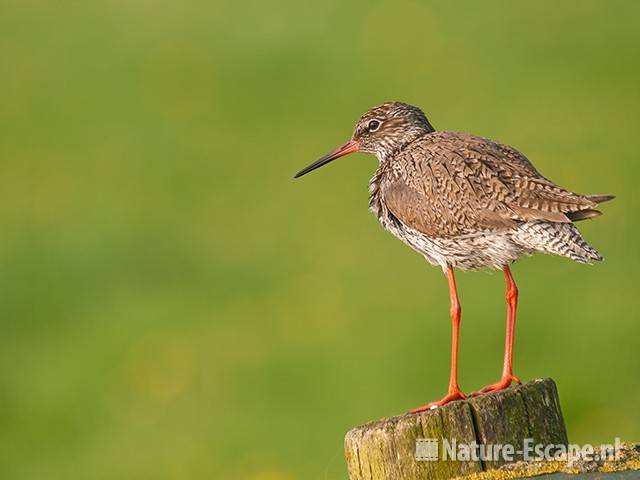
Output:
x=450 y=184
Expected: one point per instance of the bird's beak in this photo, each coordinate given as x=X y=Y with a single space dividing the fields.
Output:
x=349 y=147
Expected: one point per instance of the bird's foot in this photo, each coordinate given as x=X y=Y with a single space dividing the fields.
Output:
x=504 y=382
x=452 y=394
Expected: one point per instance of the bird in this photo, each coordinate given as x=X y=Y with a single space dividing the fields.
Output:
x=465 y=202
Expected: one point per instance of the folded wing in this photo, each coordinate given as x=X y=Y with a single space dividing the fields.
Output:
x=449 y=184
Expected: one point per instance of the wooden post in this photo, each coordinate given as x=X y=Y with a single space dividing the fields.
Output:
x=386 y=449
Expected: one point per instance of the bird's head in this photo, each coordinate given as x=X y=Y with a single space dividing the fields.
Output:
x=383 y=131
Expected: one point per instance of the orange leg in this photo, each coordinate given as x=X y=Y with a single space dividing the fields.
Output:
x=507 y=369
x=454 y=392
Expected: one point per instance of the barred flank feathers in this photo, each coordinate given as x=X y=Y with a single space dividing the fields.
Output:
x=562 y=239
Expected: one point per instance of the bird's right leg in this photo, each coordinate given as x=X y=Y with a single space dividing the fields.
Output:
x=454 y=392
x=507 y=370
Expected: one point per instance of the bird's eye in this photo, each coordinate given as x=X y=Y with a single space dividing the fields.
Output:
x=373 y=125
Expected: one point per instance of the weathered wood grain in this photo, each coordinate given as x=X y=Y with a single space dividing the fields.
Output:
x=386 y=449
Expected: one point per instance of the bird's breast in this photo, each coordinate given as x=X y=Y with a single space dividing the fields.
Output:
x=378 y=207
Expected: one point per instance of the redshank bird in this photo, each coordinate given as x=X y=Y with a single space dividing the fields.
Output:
x=465 y=202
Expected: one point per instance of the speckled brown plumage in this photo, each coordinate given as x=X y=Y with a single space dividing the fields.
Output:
x=449 y=194
x=467 y=202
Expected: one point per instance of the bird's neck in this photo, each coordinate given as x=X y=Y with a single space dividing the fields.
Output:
x=386 y=150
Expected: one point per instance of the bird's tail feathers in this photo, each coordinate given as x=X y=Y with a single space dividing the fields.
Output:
x=600 y=198
x=583 y=214
x=589 y=212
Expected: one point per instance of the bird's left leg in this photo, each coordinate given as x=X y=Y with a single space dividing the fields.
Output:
x=507 y=369
x=453 y=392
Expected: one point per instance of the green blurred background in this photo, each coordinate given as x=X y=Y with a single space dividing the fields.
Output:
x=175 y=306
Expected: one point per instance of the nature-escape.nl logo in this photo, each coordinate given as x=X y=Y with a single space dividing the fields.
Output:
x=431 y=450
